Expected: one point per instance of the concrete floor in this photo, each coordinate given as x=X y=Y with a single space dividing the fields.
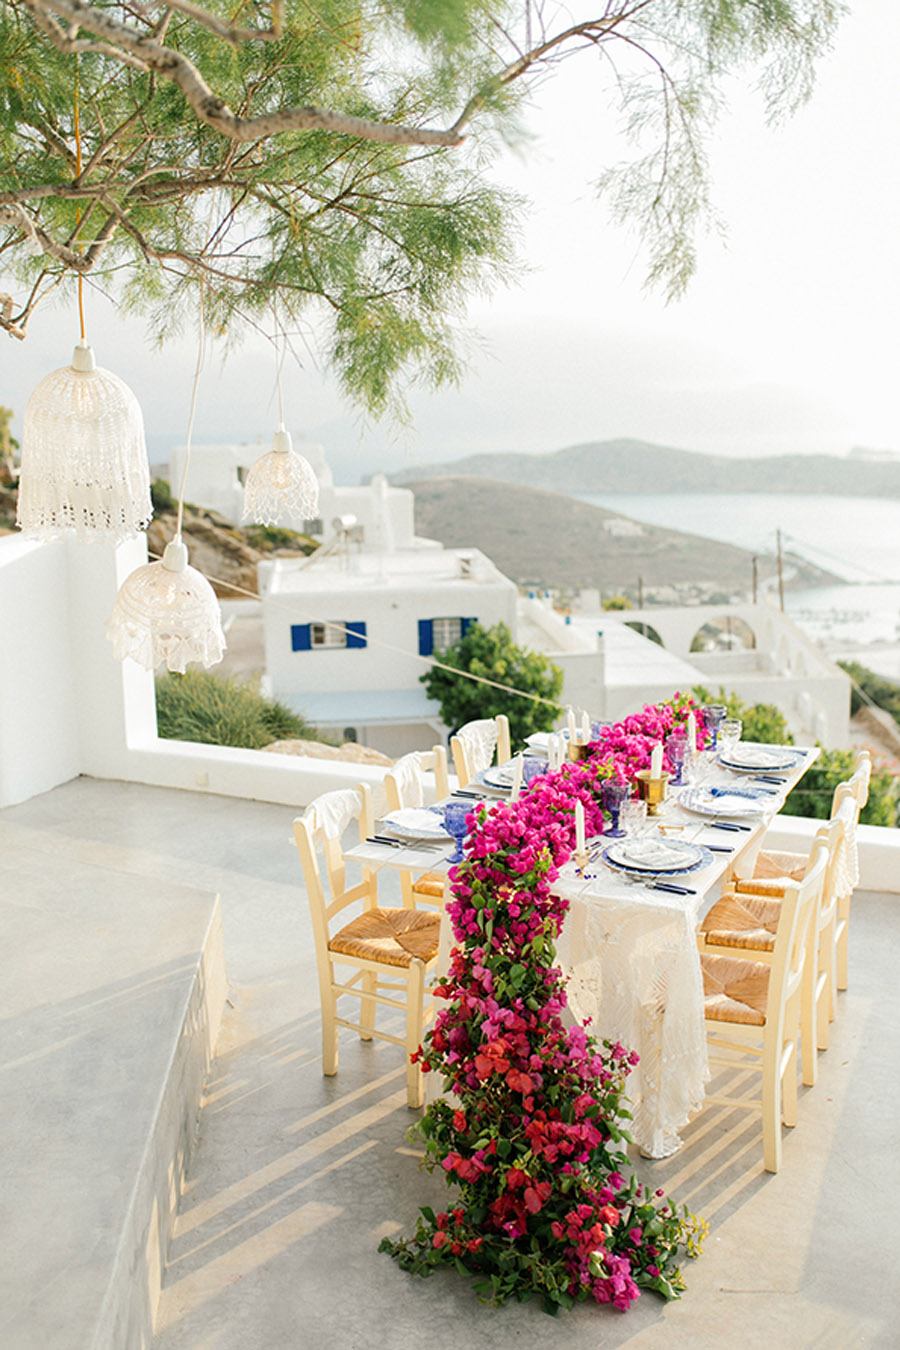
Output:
x=297 y=1177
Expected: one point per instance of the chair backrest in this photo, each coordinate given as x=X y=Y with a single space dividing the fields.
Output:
x=857 y=785
x=794 y=932
x=475 y=745
x=318 y=833
x=832 y=836
x=846 y=877
x=403 y=783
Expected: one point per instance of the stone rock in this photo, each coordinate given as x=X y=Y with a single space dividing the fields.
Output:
x=349 y=751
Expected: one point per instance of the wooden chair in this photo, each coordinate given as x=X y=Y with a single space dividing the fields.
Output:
x=475 y=745
x=748 y=923
x=753 y=1008
x=378 y=941
x=854 y=794
x=403 y=787
x=772 y=867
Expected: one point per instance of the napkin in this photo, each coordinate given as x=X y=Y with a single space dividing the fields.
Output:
x=651 y=853
x=756 y=756
x=415 y=820
x=736 y=801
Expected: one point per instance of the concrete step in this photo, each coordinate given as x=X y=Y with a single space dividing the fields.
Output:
x=111 y=997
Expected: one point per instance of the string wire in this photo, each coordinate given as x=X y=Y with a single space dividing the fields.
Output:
x=428 y=661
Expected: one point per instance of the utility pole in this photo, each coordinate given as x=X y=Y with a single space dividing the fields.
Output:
x=754 y=563
x=780 y=560
x=640 y=592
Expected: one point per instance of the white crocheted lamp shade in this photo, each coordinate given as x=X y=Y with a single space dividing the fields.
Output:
x=281 y=487
x=166 y=613
x=84 y=460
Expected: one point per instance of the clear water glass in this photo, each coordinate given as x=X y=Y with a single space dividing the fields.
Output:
x=455 y=824
x=633 y=816
x=729 y=734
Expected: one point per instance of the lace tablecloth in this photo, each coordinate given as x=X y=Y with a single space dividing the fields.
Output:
x=631 y=959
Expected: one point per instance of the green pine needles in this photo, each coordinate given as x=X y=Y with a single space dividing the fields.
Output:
x=336 y=157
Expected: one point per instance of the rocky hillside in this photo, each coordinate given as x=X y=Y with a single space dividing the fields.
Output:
x=225 y=553
x=630 y=466
x=548 y=539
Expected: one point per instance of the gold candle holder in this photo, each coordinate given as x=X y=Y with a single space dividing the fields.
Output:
x=576 y=750
x=652 y=790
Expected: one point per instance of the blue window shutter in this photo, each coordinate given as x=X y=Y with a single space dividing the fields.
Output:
x=300 y=638
x=466 y=625
x=356 y=633
x=426 y=637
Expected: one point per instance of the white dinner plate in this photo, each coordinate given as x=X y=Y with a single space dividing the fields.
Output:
x=501 y=776
x=412 y=822
x=702 y=801
x=760 y=758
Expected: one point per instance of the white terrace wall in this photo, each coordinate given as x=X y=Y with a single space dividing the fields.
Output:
x=68 y=707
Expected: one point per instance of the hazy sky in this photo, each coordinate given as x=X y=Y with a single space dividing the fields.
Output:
x=786 y=341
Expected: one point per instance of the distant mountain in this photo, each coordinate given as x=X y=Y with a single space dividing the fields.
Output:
x=545 y=538
x=638 y=466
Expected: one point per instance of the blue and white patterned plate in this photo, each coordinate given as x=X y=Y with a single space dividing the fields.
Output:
x=623 y=856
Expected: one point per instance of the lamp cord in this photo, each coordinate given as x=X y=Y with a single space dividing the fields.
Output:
x=198 y=367
x=76 y=102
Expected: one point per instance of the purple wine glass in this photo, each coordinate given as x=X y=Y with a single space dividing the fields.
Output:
x=614 y=794
x=676 y=748
x=455 y=814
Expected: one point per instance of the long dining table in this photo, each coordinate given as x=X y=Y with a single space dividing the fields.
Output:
x=630 y=950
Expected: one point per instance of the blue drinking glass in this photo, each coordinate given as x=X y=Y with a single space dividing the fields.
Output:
x=676 y=747
x=714 y=715
x=532 y=767
x=614 y=794
x=455 y=824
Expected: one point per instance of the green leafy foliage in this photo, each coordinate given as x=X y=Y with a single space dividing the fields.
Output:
x=617 y=602
x=202 y=707
x=375 y=246
x=491 y=653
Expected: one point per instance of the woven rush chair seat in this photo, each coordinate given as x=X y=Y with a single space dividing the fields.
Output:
x=430 y=883
x=735 y=990
x=392 y=936
x=739 y=920
x=771 y=872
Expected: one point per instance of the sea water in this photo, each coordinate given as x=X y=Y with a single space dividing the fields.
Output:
x=854 y=538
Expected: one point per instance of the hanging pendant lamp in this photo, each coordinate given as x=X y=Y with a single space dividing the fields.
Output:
x=166 y=613
x=84 y=460
x=281 y=487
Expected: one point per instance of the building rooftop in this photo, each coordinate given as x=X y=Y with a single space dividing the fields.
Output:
x=403 y=569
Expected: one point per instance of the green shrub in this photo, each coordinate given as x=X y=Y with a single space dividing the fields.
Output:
x=161 y=497
x=202 y=707
x=881 y=690
x=614 y=602
x=812 y=796
x=269 y=537
x=762 y=722
x=491 y=652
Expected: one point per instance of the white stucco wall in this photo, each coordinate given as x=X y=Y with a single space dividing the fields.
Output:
x=38 y=717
